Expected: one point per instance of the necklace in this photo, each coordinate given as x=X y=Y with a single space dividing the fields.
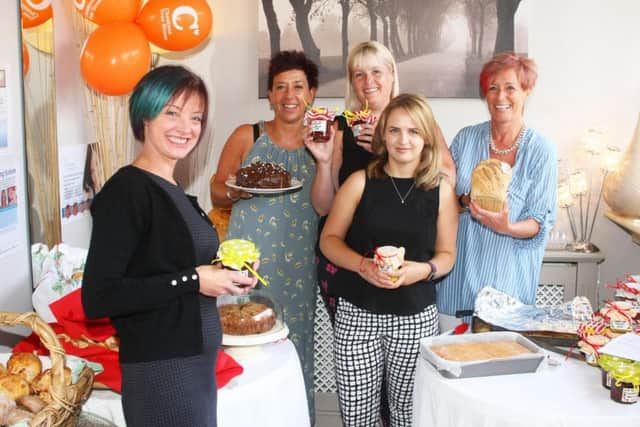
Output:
x=402 y=199
x=506 y=151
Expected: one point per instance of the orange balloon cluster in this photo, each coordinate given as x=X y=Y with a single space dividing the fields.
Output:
x=115 y=57
x=117 y=54
x=35 y=12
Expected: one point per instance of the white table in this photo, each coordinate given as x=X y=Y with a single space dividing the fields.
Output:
x=567 y=395
x=269 y=393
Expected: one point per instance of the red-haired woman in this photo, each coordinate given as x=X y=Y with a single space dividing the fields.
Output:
x=502 y=249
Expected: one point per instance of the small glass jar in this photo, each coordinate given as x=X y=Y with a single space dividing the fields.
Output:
x=356 y=127
x=625 y=381
x=388 y=258
x=606 y=379
x=320 y=129
x=622 y=392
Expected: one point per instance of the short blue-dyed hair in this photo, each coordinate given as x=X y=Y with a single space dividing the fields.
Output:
x=159 y=87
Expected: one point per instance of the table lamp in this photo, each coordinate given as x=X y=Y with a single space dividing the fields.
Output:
x=579 y=186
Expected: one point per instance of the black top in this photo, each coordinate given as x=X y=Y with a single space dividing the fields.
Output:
x=354 y=157
x=140 y=270
x=381 y=219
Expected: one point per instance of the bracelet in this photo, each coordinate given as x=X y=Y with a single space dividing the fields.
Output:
x=461 y=201
x=434 y=270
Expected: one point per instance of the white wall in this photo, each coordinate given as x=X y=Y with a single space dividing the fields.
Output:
x=589 y=67
x=15 y=264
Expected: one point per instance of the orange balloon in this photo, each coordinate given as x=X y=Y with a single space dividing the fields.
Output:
x=35 y=12
x=115 y=57
x=108 y=11
x=25 y=59
x=176 y=24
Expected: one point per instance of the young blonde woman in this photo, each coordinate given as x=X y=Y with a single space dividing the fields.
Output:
x=400 y=200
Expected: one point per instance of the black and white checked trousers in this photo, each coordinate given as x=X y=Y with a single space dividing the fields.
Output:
x=365 y=344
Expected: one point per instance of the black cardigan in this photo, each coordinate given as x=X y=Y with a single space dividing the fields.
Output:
x=140 y=270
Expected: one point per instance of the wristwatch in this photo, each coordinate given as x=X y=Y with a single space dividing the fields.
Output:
x=434 y=270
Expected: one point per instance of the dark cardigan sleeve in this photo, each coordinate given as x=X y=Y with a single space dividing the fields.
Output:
x=121 y=214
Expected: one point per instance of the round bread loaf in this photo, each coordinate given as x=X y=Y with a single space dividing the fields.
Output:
x=14 y=386
x=27 y=365
x=489 y=184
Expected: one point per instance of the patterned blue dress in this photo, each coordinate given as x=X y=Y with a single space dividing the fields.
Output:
x=484 y=257
x=284 y=227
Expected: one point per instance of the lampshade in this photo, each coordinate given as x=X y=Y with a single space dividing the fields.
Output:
x=593 y=141
x=565 y=199
x=578 y=184
x=611 y=158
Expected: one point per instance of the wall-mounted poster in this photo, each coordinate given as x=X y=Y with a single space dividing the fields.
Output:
x=8 y=211
x=439 y=45
x=78 y=184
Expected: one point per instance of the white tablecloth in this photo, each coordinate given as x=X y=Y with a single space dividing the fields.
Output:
x=269 y=393
x=567 y=395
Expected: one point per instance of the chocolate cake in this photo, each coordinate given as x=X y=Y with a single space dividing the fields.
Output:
x=263 y=175
x=246 y=319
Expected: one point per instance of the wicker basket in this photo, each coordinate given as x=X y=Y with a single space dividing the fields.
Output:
x=67 y=400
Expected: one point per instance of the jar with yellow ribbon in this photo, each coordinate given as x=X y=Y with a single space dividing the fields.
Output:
x=607 y=362
x=625 y=381
x=239 y=255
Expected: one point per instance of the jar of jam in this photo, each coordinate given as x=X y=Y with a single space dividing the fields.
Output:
x=356 y=127
x=607 y=363
x=320 y=130
x=622 y=392
x=606 y=379
x=239 y=255
x=319 y=120
x=625 y=381
x=355 y=119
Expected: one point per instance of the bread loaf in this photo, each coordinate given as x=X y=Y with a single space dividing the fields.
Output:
x=489 y=184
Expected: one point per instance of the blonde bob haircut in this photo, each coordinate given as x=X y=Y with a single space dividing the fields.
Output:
x=428 y=173
x=366 y=53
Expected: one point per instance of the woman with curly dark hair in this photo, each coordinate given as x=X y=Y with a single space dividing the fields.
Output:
x=283 y=226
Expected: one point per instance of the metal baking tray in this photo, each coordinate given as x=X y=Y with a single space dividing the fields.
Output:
x=519 y=364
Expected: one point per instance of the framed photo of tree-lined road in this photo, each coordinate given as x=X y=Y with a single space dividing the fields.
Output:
x=439 y=45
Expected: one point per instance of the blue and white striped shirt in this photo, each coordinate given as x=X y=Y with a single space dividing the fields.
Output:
x=484 y=257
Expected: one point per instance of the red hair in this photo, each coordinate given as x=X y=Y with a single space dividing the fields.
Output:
x=525 y=69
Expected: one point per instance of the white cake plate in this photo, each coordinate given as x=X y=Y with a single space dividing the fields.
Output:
x=278 y=332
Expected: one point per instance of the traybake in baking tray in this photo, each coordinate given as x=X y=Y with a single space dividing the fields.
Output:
x=479 y=355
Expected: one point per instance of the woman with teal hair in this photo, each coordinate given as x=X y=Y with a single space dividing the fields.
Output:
x=148 y=267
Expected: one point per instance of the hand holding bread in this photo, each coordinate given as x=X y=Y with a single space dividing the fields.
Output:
x=489 y=184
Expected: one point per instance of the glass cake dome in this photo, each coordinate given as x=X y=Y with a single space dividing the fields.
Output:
x=251 y=319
